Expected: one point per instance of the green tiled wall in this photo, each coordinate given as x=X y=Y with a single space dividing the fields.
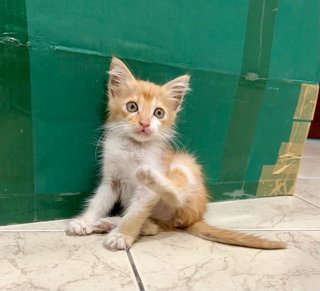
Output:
x=247 y=60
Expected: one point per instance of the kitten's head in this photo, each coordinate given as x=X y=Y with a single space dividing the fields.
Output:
x=142 y=110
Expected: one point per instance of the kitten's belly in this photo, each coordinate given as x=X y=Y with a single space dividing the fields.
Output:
x=163 y=211
x=125 y=191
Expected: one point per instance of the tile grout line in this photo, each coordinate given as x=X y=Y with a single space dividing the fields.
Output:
x=311 y=203
x=233 y=229
x=135 y=271
x=31 y=230
x=273 y=229
x=308 y=178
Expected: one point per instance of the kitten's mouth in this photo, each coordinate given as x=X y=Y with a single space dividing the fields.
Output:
x=144 y=132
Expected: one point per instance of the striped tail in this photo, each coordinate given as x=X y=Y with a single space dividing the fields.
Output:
x=203 y=230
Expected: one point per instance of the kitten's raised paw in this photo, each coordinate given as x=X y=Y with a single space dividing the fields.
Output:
x=118 y=241
x=145 y=175
x=103 y=225
x=79 y=227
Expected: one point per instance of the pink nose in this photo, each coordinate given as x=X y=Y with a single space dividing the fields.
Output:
x=144 y=124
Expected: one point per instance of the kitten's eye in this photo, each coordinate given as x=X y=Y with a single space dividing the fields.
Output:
x=159 y=113
x=132 y=106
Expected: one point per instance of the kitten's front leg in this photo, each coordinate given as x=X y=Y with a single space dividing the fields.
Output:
x=128 y=229
x=163 y=186
x=101 y=203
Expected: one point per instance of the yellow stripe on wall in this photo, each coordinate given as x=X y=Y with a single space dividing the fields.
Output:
x=280 y=179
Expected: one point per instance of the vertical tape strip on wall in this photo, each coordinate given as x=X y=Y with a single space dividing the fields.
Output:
x=281 y=178
x=251 y=88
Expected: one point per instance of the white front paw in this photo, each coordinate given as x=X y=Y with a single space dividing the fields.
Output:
x=79 y=227
x=118 y=241
x=146 y=175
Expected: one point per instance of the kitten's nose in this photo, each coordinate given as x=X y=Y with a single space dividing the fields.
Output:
x=144 y=123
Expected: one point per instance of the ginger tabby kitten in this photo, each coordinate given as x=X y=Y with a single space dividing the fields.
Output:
x=159 y=188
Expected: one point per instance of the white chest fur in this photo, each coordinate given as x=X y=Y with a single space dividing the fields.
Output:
x=122 y=157
x=125 y=155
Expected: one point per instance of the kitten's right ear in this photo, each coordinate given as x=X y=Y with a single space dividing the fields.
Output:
x=119 y=75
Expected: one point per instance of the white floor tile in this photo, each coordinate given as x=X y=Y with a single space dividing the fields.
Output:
x=309 y=190
x=311 y=148
x=54 y=225
x=54 y=261
x=310 y=167
x=310 y=163
x=178 y=261
x=277 y=213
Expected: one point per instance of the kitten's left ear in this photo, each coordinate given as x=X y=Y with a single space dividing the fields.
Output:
x=119 y=75
x=177 y=89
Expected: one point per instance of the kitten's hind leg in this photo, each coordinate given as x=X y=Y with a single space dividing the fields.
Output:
x=106 y=224
x=170 y=190
x=149 y=228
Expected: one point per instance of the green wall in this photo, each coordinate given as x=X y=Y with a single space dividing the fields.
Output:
x=247 y=60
